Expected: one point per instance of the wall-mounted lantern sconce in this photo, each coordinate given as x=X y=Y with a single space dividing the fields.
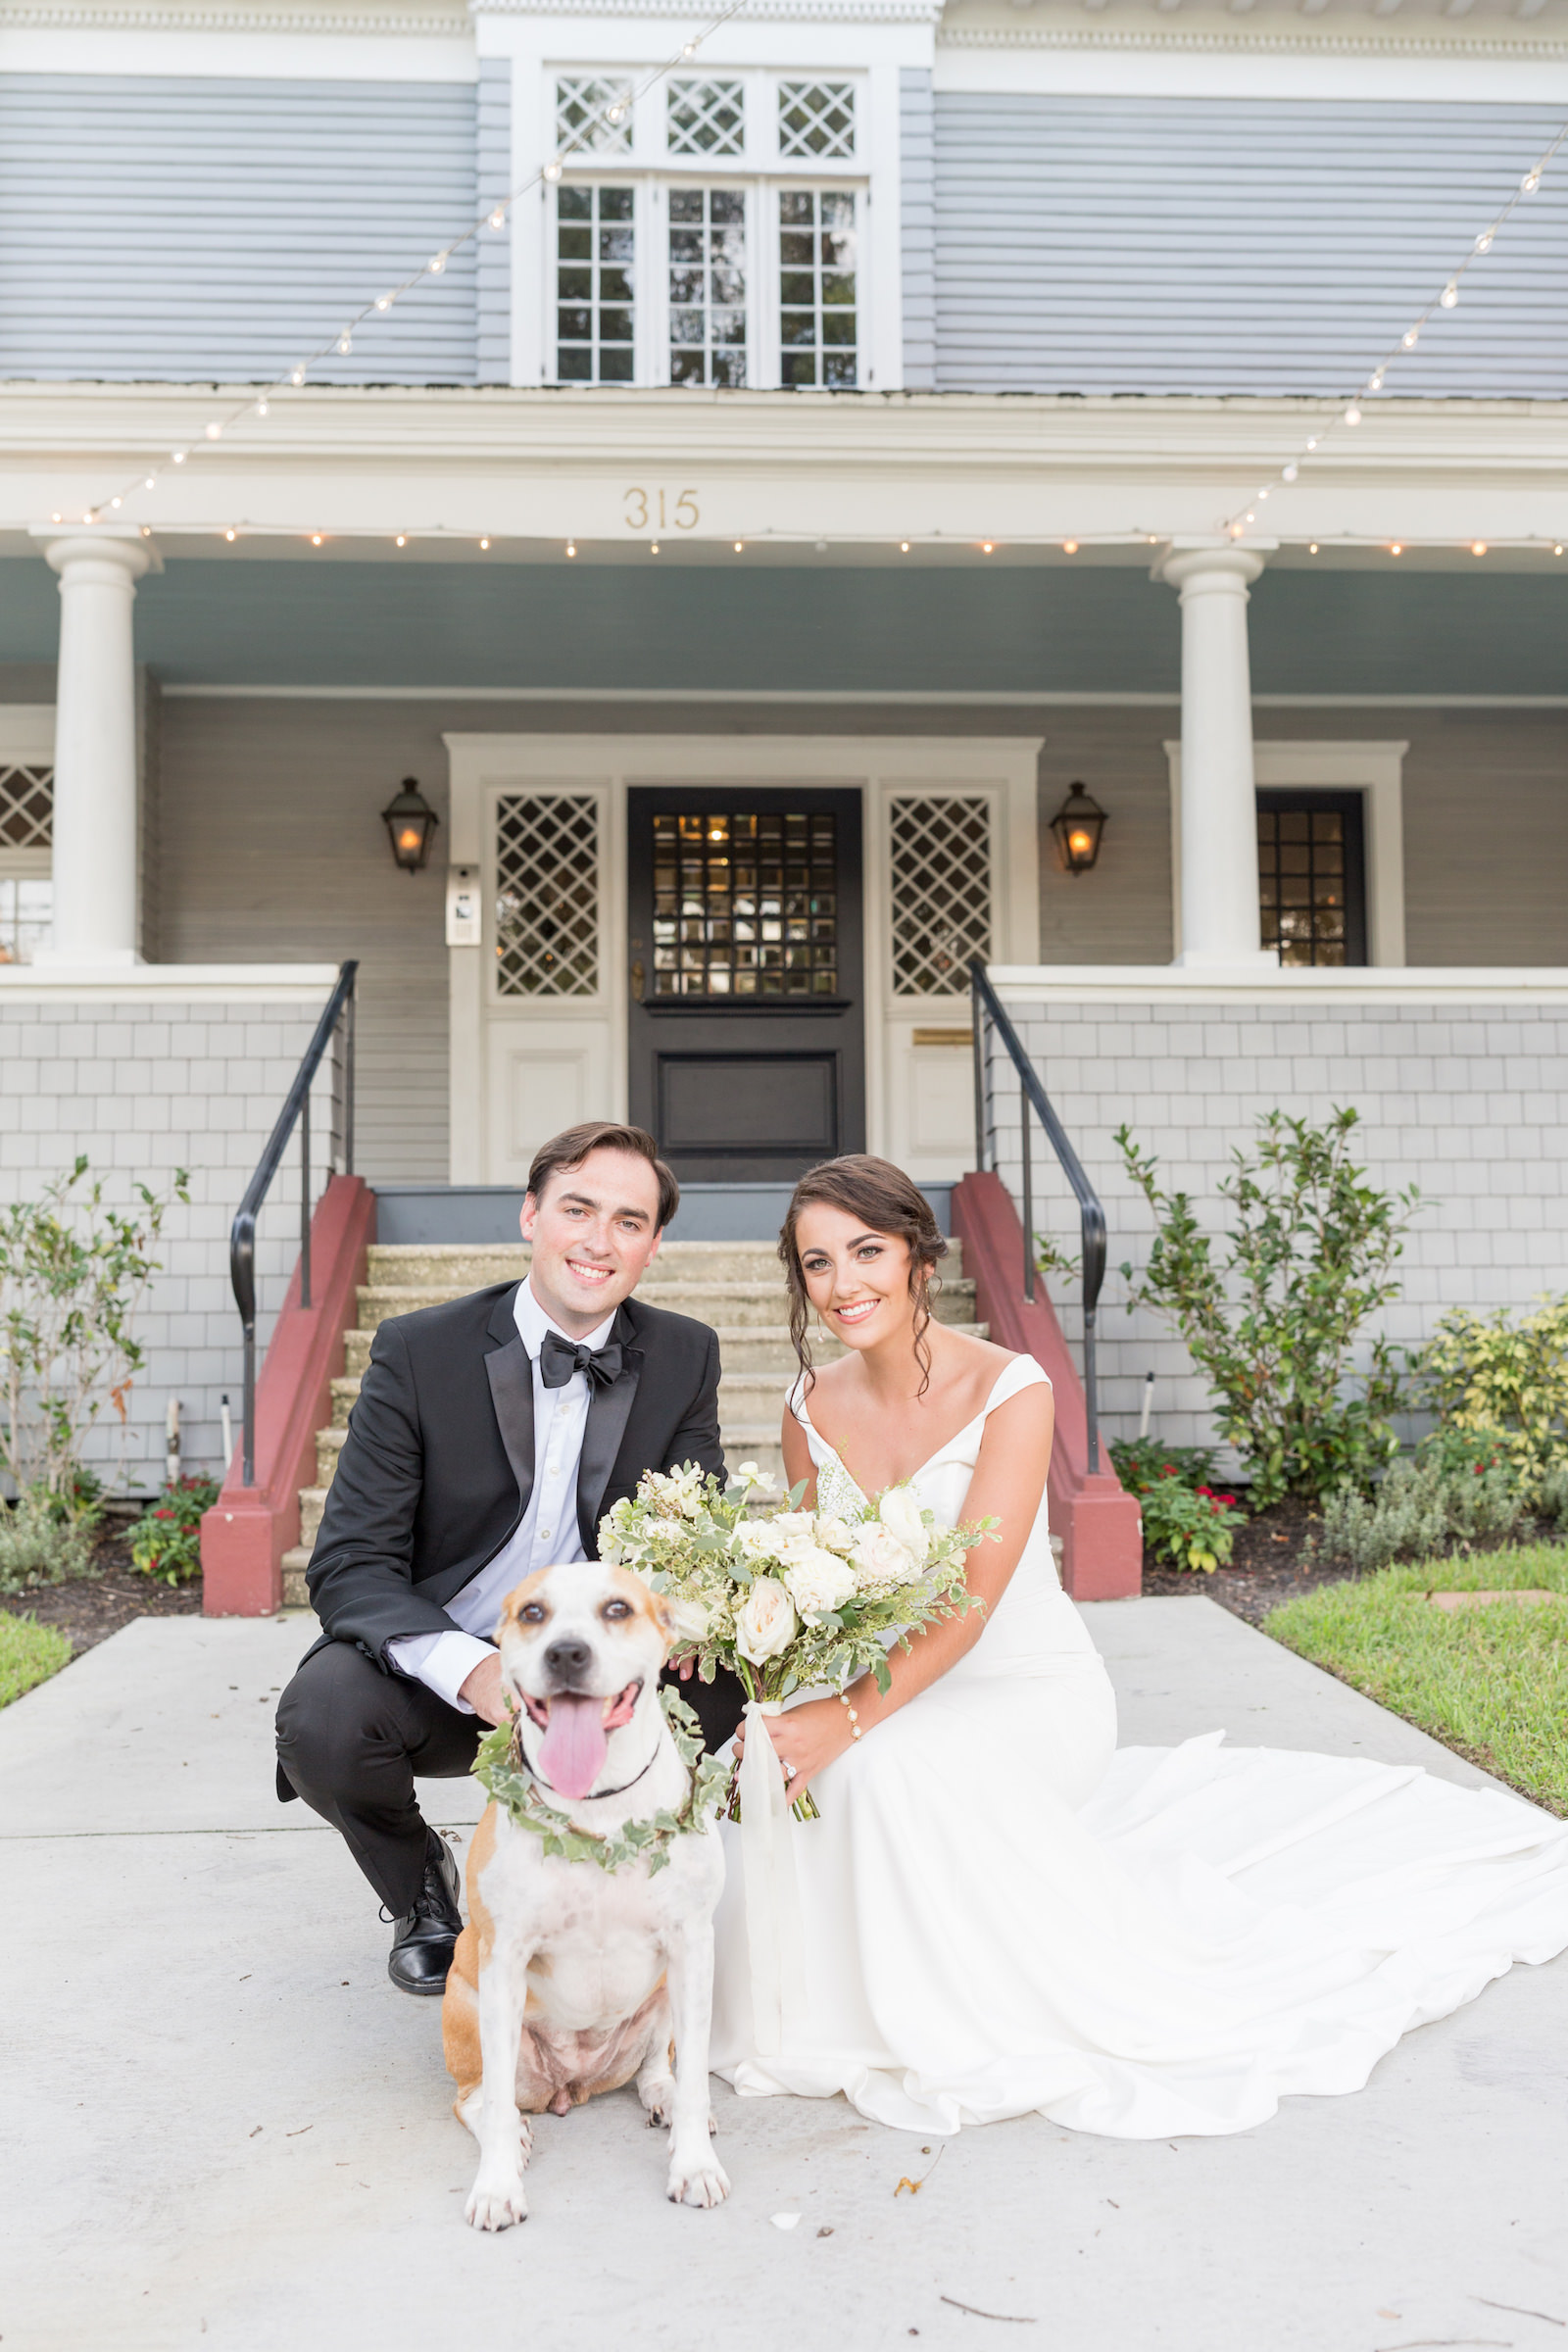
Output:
x=410 y=825
x=1078 y=826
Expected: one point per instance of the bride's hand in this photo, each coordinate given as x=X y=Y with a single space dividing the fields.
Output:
x=808 y=1739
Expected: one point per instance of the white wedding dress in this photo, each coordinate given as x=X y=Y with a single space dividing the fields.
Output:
x=1002 y=1912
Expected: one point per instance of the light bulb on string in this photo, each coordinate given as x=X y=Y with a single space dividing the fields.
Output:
x=1410 y=337
x=1531 y=180
x=1374 y=383
x=1352 y=415
x=1250 y=516
x=903 y=547
x=485 y=543
x=260 y=407
x=345 y=343
x=1557 y=550
x=1478 y=547
x=296 y=375
x=1484 y=241
x=214 y=432
x=402 y=539
x=383 y=302
x=1395 y=549
x=615 y=114
x=498 y=219
x=653 y=547
x=552 y=170
x=231 y=536
x=1312 y=444
x=151 y=483
x=689 y=50
x=1069 y=547
x=436 y=264
x=572 y=547
x=1312 y=548
x=988 y=546
x=114 y=502
x=179 y=456
x=1263 y=494
x=316 y=538
x=740 y=546
x=1451 y=294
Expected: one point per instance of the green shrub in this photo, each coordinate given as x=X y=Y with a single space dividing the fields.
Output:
x=1185 y=1521
x=1485 y=1373
x=166 y=1540
x=1309 y=1257
x=29 y=1653
x=1554 y=1497
x=42 y=1543
x=1459 y=1490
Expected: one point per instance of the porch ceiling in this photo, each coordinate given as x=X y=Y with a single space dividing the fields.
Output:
x=966 y=631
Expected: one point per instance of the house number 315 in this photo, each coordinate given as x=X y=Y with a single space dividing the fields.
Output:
x=646 y=510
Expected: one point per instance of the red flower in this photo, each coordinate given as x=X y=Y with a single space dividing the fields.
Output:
x=163 y=1514
x=1169 y=1470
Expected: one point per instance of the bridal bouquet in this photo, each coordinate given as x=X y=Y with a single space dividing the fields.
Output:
x=790 y=1599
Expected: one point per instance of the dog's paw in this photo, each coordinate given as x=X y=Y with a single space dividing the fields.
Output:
x=496 y=2207
x=705 y=2182
x=658 y=2102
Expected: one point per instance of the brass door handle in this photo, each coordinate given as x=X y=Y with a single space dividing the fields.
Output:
x=638 y=979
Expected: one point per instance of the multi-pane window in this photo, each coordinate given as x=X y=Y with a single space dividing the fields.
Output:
x=27 y=832
x=746 y=905
x=595 y=313
x=706 y=286
x=27 y=916
x=584 y=106
x=547 y=894
x=817 y=310
x=941 y=891
x=1310 y=877
x=706 y=118
x=816 y=118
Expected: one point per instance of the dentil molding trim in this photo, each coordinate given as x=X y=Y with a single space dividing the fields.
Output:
x=90 y=14
x=833 y=12
x=1328 y=44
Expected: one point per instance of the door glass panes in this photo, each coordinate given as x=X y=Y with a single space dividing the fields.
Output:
x=706 y=118
x=595 y=313
x=816 y=287
x=706 y=286
x=27 y=916
x=1302 y=884
x=746 y=905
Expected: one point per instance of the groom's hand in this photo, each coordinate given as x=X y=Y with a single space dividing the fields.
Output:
x=482 y=1691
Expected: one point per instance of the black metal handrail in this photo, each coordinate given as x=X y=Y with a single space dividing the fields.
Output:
x=1032 y=1097
x=335 y=1028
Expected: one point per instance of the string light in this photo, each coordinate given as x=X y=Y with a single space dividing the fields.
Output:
x=498 y=219
x=1478 y=547
x=987 y=547
x=1313 y=550
x=1557 y=550
x=1395 y=549
x=231 y=536
x=151 y=483
x=296 y=375
x=652 y=548
x=260 y=407
x=114 y=502
x=401 y=540
x=316 y=538
x=1069 y=547
x=903 y=547
x=572 y=547
x=1447 y=300
x=214 y=432
x=383 y=302
x=739 y=546
x=552 y=170
x=485 y=543
x=345 y=343
x=179 y=456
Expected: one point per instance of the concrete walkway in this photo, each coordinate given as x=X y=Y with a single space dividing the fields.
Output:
x=221 y=2126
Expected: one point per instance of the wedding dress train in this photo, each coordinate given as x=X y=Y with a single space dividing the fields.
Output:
x=1002 y=1912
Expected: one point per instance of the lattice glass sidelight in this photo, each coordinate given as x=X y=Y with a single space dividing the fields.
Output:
x=26 y=825
x=816 y=118
x=746 y=905
x=706 y=118
x=547 y=894
x=581 y=124
x=941 y=887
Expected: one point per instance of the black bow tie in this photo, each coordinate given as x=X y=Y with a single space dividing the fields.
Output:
x=559 y=1360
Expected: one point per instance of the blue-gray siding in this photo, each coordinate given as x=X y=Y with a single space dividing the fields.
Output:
x=918 y=223
x=1216 y=245
x=193 y=229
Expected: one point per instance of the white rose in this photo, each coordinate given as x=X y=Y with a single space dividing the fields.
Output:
x=833 y=1533
x=766 y=1622
x=880 y=1562
x=789 y=1531
x=901 y=1516
x=748 y=1474
x=752 y=1539
x=819 y=1581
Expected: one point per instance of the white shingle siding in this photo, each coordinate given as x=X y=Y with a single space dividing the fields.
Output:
x=1472 y=1106
x=189 y=229
x=1240 y=245
x=144 y=1091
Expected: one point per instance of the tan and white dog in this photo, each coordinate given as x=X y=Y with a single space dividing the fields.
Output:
x=568 y=1979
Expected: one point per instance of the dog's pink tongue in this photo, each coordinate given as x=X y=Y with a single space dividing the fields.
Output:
x=572 y=1753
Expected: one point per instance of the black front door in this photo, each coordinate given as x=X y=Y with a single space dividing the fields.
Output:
x=747 y=1032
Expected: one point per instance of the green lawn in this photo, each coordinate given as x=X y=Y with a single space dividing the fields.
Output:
x=1490 y=1682
x=30 y=1653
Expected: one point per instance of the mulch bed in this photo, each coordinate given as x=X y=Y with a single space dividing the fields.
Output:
x=90 y=1608
x=1269 y=1565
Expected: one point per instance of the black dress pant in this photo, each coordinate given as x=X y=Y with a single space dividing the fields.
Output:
x=350 y=1740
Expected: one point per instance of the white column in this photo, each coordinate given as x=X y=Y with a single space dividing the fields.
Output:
x=1218 y=824
x=94 y=862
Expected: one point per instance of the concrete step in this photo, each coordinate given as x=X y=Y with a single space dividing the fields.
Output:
x=296 y=1594
x=328 y=1445
x=313 y=1502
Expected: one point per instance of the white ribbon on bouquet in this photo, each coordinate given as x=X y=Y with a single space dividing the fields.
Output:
x=772 y=1898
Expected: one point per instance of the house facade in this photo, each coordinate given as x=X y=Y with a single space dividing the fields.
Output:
x=746 y=470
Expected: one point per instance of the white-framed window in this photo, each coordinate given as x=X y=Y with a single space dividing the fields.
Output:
x=713 y=234
x=26 y=835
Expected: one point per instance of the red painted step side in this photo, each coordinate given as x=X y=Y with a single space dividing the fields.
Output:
x=1097 y=1520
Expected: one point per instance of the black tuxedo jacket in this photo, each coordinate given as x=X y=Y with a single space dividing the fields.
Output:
x=437 y=1467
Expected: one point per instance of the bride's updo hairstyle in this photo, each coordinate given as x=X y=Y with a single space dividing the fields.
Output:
x=883 y=1199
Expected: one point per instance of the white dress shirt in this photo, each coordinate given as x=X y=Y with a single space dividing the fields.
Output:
x=547 y=1532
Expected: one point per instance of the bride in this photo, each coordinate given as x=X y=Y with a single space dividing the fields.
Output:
x=1001 y=1911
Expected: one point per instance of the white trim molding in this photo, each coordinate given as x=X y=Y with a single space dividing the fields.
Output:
x=168 y=984
x=582 y=1041
x=1374 y=769
x=1323 y=989
x=27 y=734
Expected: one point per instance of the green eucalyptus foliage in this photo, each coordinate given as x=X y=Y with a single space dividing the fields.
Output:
x=73 y=1275
x=1506 y=1380
x=1271 y=1310
x=501 y=1772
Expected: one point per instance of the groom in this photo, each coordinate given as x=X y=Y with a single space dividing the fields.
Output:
x=489 y=1436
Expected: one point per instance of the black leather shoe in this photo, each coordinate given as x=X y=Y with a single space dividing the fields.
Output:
x=422 y=1939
